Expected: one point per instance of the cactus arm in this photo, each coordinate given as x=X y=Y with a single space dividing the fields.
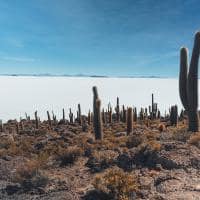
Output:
x=183 y=77
x=192 y=85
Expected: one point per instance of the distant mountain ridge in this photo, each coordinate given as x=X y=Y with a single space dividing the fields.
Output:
x=81 y=75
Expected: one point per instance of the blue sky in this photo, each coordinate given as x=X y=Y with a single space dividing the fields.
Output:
x=104 y=37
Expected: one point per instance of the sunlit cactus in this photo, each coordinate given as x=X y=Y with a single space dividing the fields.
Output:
x=97 y=118
x=188 y=83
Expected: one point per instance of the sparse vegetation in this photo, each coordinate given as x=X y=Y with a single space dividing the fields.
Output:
x=119 y=185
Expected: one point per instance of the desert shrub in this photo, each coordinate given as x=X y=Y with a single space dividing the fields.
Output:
x=195 y=140
x=100 y=160
x=116 y=183
x=70 y=155
x=5 y=143
x=161 y=127
x=134 y=141
x=181 y=134
x=154 y=145
x=29 y=176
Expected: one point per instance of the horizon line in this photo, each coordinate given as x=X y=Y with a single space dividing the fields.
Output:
x=83 y=75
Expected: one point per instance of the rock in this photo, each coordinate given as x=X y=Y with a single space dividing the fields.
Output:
x=120 y=134
x=11 y=189
x=7 y=158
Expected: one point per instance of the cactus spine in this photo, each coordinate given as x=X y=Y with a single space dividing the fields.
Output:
x=188 y=83
x=97 y=118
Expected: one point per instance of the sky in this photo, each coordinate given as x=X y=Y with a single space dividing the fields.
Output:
x=96 y=37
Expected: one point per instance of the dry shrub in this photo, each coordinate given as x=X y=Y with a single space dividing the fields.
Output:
x=116 y=183
x=161 y=127
x=180 y=134
x=150 y=135
x=70 y=155
x=29 y=175
x=5 y=143
x=134 y=141
x=195 y=140
x=100 y=160
x=154 y=145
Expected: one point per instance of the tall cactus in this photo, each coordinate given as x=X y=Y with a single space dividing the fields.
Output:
x=36 y=121
x=95 y=97
x=188 y=83
x=71 y=116
x=117 y=110
x=97 y=118
x=63 y=112
x=129 y=121
x=49 y=119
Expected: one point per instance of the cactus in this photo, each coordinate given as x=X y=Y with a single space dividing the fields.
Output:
x=146 y=112
x=79 y=118
x=71 y=116
x=158 y=115
x=1 y=126
x=174 y=115
x=17 y=128
x=117 y=110
x=54 y=118
x=95 y=97
x=36 y=121
x=103 y=116
x=154 y=108
x=21 y=124
x=129 y=121
x=49 y=119
x=89 y=117
x=188 y=83
x=97 y=118
x=110 y=115
x=63 y=112
x=135 y=114
x=123 y=114
x=142 y=114
x=84 y=124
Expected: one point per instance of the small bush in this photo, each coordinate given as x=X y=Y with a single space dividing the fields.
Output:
x=195 y=140
x=154 y=145
x=29 y=176
x=161 y=127
x=70 y=155
x=100 y=160
x=117 y=184
x=134 y=141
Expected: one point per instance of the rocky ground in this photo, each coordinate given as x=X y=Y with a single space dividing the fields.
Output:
x=156 y=161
